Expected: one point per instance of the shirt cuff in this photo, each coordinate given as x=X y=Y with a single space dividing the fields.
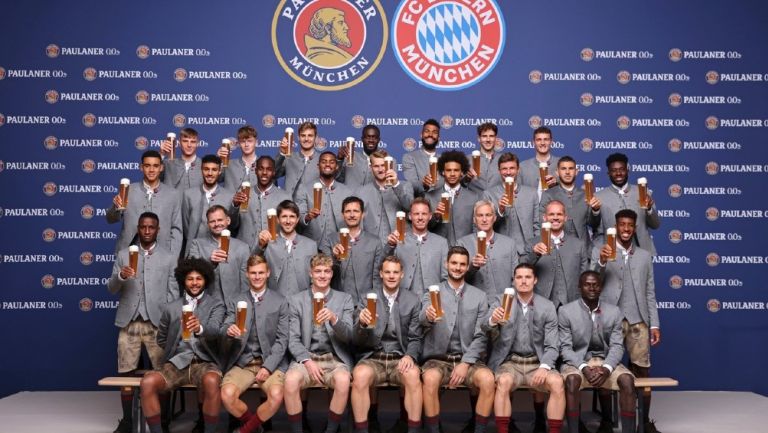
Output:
x=584 y=364
x=545 y=366
x=608 y=367
x=201 y=330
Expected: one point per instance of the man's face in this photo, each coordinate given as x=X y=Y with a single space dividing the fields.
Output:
x=327 y=166
x=487 y=140
x=618 y=173
x=378 y=168
x=508 y=169
x=591 y=288
x=391 y=274
x=188 y=145
x=339 y=32
x=420 y=216
x=287 y=220
x=625 y=227
x=247 y=145
x=555 y=214
x=524 y=281
x=151 y=167
x=484 y=218
x=258 y=275
x=217 y=221
x=321 y=277
x=307 y=138
x=211 y=172
x=352 y=214
x=452 y=173
x=194 y=283
x=542 y=142
x=147 y=230
x=265 y=172
x=371 y=140
x=457 y=265
x=430 y=135
x=567 y=172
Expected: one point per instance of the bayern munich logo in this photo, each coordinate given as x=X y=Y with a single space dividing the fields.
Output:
x=712 y=213
x=329 y=44
x=587 y=145
x=446 y=44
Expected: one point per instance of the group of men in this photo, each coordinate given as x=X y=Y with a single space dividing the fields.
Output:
x=350 y=276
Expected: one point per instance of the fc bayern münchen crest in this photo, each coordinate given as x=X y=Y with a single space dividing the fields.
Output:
x=329 y=44
x=446 y=45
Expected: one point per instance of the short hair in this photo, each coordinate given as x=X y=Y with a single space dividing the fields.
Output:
x=320 y=259
x=150 y=154
x=149 y=215
x=372 y=126
x=256 y=259
x=432 y=122
x=307 y=125
x=508 y=157
x=453 y=156
x=616 y=157
x=457 y=249
x=247 y=131
x=214 y=208
x=327 y=152
x=627 y=213
x=353 y=199
x=525 y=266
x=585 y=274
x=210 y=158
x=288 y=205
x=189 y=132
x=487 y=126
x=565 y=211
x=542 y=130
x=194 y=264
x=267 y=158
x=483 y=202
x=391 y=259
x=421 y=200
x=379 y=153
x=566 y=158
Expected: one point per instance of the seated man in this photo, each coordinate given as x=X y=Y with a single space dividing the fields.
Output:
x=591 y=344
x=190 y=357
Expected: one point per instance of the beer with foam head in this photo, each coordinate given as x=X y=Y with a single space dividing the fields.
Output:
x=224 y=240
x=642 y=192
x=289 y=138
x=610 y=239
x=389 y=164
x=476 y=162
x=227 y=144
x=186 y=313
x=445 y=198
x=589 y=187
x=171 y=136
x=133 y=258
x=272 y=223
x=246 y=188
x=509 y=190
x=433 y=169
x=371 y=306
x=317 y=190
x=400 y=226
x=125 y=183
x=350 y=151
x=344 y=241
x=546 y=235
x=434 y=298
x=242 y=312
x=506 y=302
x=543 y=166
x=481 y=243
x=318 y=303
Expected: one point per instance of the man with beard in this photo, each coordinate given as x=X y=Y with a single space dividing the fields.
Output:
x=529 y=169
x=416 y=162
x=327 y=38
x=264 y=196
x=182 y=173
x=621 y=195
x=384 y=197
x=359 y=173
x=242 y=169
x=452 y=165
x=489 y=160
x=323 y=222
x=296 y=167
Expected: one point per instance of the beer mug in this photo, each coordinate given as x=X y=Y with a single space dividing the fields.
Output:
x=318 y=303
x=610 y=239
x=224 y=241
x=546 y=235
x=389 y=164
x=543 y=166
x=509 y=190
x=476 y=162
x=589 y=187
x=434 y=298
x=186 y=313
x=317 y=190
x=481 y=243
x=445 y=198
x=272 y=223
x=289 y=138
x=371 y=306
x=506 y=303
x=350 y=151
x=227 y=144
x=242 y=312
x=125 y=184
x=400 y=226
x=433 y=169
x=344 y=241
x=246 y=188
x=642 y=192
x=171 y=136
x=133 y=258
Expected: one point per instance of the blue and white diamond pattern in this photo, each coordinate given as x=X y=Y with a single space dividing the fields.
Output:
x=448 y=33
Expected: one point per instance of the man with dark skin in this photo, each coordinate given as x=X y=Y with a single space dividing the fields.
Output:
x=321 y=224
x=416 y=162
x=359 y=173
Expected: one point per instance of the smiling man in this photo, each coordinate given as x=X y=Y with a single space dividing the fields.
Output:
x=529 y=169
x=384 y=197
x=453 y=166
x=182 y=173
x=296 y=167
x=359 y=173
x=416 y=162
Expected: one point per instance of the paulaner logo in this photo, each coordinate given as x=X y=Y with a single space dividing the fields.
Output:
x=447 y=45
x=329 y=44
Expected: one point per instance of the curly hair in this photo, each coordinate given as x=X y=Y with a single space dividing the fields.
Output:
x=194 y=264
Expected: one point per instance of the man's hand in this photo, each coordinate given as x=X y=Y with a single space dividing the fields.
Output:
x=459 y=375
x=431 y=314
x=239 y=198
x=605 y=253
x=127 y=272
x=497 y=316
x=326 y=315
x=595 y=203
x=655 y=336
x=233 y=331
x=479 y=261
x=539 y=376
x=193 y=324
x=393 y=239
x=262 y=375
x=540 y=249
x=405 y=364
x=315 y=373
x=218 y=256
x=365 y=317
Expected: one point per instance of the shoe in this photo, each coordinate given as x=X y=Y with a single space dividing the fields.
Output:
x=583 y=428
x=605 y=427
x=124 y=426
x=650 y=427
x=399 y=427
x=539 y=426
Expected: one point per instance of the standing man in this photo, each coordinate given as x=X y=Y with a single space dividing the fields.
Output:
x=452 y=165
x=359 y=173
x=628 y=283
x=190 y=347
x=229 y=266
x=384 y=197
x=296 y=167
x=242 y=169
x=149 y=195
x=389 y=350
x=621 y=195
x=529 y=169
x=416 y=162
x=257 y=355
x=454 y=343
x=182 y=173
x=423 y=254
x=489 y=160
x=319 y=345
x=525 y=349
x=591 y=347
x=143 y=295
